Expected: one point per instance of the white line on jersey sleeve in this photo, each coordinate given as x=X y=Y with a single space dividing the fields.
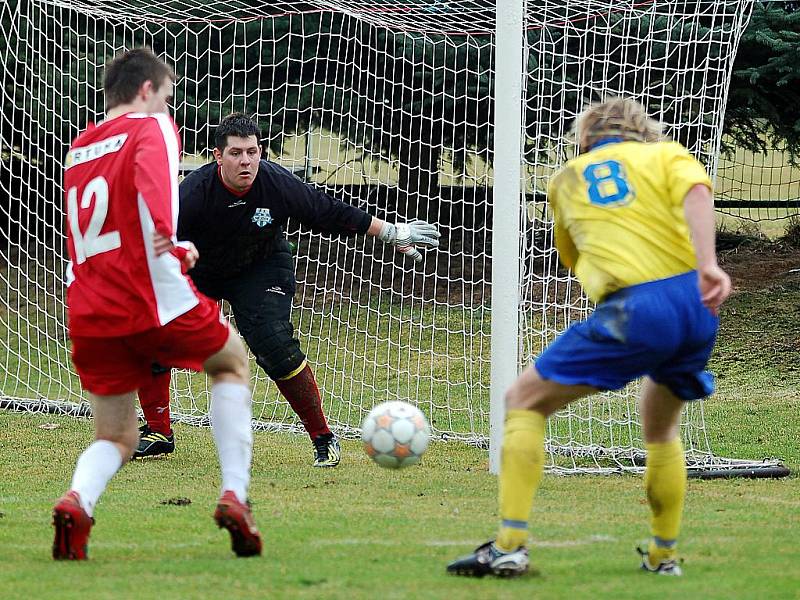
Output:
x=174 y=295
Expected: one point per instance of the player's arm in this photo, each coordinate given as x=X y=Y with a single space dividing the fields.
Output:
x=324 y=213
x=406 y=236
x=689 y=187
x=192 y=197
x=155 y=177
x=191 y=200
x=567 y=251
x=186 y=251
x=715 y=285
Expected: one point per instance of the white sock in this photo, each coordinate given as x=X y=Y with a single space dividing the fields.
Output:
x=231 y=413
x=95 y=468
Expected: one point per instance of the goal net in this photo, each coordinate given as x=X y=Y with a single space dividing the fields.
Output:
x=387 y=105
x=758 y=187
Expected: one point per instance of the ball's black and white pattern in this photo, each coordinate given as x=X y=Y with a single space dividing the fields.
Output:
x=395 y=434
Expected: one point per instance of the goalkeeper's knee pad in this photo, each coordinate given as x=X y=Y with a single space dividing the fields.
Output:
x=276 y=349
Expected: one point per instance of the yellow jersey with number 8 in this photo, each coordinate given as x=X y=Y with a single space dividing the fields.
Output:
x=618 y=213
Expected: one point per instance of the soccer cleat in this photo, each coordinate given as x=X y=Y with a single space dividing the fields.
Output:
x=326 y=450
x=488 y=560
x=72 y=528
x=238 y=520
x=153 y=444
x=668 y=566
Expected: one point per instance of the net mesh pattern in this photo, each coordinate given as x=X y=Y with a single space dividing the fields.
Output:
x=386 y=105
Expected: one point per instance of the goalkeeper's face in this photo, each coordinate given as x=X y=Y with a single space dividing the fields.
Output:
x=238 y=161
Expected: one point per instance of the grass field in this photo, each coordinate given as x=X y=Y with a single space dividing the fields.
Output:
x=363 y=532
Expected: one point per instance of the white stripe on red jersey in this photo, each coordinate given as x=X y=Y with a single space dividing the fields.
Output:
x=121 y=185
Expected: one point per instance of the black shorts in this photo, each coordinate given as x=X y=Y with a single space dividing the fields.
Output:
x=262 y=293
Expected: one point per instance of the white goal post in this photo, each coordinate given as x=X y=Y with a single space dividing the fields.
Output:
x=453 y=111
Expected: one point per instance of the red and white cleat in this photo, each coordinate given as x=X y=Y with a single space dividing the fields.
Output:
x=72 y=528
x=236 y=517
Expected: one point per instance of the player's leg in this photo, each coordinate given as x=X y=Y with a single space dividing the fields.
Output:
x=301 y=391
x=529 y=401
x=116 y=436
x=665 y=474
x=231 y=416
x=262 y=302
x=600 y=353
x=115 y=431
x=155 y=436
x=231 y=413
x=679 y=379
x=110 y=371
x=202 y=340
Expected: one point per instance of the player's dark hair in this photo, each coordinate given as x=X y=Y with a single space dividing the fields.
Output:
x=237 y=125
x=126 y=73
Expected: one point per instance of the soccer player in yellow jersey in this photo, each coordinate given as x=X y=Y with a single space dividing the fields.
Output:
x=634 y=220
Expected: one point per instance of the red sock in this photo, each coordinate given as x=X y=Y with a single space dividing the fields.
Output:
x=154 y=398
x=303 y=395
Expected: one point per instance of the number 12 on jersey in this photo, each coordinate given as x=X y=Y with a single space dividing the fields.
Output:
x=92 y=241
x=608 y=185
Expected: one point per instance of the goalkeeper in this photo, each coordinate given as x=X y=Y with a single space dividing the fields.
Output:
x=235 y=210
x=634 y=220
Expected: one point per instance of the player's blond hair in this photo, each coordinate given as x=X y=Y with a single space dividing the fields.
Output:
x=616 y=117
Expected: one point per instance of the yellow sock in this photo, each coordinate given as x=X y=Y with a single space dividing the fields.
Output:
x=521 y=467
x=665 y=482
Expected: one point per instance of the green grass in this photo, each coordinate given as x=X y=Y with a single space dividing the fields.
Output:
x=361 y=532
x=756 y=410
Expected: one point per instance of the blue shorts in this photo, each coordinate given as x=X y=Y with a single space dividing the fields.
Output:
x=659 y=328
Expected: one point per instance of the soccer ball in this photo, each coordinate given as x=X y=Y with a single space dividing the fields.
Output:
x=395 y=434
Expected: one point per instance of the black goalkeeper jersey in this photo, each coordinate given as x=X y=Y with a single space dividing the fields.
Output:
x=232 y=233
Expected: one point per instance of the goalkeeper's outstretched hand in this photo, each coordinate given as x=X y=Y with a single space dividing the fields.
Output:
x=407 y=236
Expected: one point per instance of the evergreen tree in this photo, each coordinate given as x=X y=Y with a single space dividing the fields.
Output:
x=764 y=100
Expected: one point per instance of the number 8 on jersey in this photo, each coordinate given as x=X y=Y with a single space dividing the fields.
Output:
x=608 y=185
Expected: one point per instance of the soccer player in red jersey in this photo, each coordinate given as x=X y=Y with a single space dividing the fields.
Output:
x=130 y=304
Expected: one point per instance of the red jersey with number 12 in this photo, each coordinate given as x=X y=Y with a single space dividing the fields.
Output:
x=121 y=185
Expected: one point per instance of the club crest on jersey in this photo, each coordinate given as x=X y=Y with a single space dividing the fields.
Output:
x=262 y=217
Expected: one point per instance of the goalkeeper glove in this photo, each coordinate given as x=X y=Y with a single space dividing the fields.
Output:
x=407 y=236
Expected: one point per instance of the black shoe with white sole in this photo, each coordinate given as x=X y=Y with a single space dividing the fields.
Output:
x=489 y=560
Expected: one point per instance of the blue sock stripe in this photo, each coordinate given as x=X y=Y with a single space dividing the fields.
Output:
x=662 y=543
x=515 y=524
